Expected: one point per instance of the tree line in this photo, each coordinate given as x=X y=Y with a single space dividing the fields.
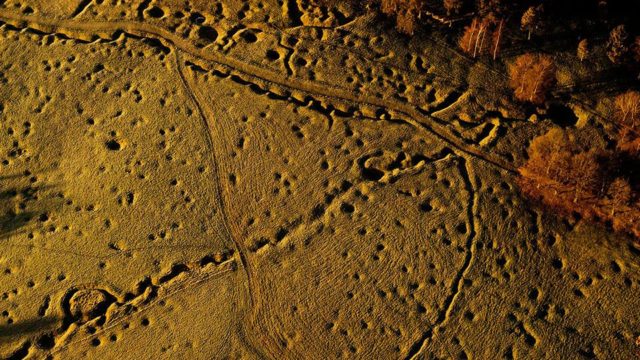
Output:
x=487 y=24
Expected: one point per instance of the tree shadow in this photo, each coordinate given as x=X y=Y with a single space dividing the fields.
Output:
x=20 y=204
x=28 y=327
x=12 y=223
x=38 y=332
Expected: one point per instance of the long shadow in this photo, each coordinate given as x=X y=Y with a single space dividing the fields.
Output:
x=19 y=205
x=12 y=223
x=27 y=193
x=9 y=177
x=28 y=327
x=39 y=332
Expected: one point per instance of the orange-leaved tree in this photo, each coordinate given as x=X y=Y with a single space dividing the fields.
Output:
x=585 y=174
x=531 y=19
x=550 y=154
x=619 y=194
x=593 y=183
x=583 y=49
x=627 y=116
x=618 y=44
x=532 y=76
x=453 y=6
x=406 y=13
x=482 y=36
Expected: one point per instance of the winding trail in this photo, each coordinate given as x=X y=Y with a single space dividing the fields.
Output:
x=239 y=246
x=216 y=173
x=110 y=29
x=472 y=208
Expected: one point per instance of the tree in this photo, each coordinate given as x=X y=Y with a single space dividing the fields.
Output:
x=570 y=180
x=406 y=22
x=635 y=52
x=559 y=166
x=497 y=36
x=498 y=7
x=530 y=20
x=619 y=194
x=617 y=46
x=548 y=154
x=482 y=36
x=627 y=109
x=470 y=41
x=583 y=49
x=453 y=6
x=406 y=13
x=627 y=116
x=585 y=172
x=532 y=76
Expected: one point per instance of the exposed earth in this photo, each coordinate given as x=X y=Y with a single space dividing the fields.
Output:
x=263 y=179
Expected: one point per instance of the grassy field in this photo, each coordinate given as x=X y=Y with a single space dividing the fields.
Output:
x=263 y=179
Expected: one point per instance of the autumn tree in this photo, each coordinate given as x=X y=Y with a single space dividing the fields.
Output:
x=628 y=109
x=497 y=38
x=635 y=53
x=453 y=6
x=549 y=154
x=554 y=160
x=585 y=174
x=565 y=177
x=619 y=194
x=636 y=49
x=583 y=49
x=498 y=7
x=482 y=36
x=406 y=13
x=531 y=19
x=618 y=44
x=471 y=40
x=532 y=76
x=627 y=116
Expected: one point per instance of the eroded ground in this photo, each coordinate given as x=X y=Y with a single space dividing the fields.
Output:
x=255 y=179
